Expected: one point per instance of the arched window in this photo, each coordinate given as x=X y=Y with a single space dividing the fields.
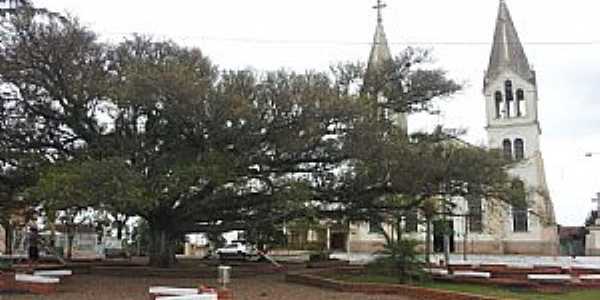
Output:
x=520 y=103
x=498 y=102
x=507 y=149
x=508 y=94
x=519 y=149
x=520 y=219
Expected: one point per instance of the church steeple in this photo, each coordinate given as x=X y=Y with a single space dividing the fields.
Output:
x=513 y=125
x=380 y=51
x=507 y=50
x=379 y=61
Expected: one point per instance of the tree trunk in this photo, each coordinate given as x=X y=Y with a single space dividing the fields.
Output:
x=162 y=247
x=8 y=238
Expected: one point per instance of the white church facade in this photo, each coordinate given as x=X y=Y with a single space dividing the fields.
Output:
x=493 y=227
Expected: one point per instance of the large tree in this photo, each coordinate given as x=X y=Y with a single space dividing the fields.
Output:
x=155 y=130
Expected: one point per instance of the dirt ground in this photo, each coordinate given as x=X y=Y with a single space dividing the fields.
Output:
x=260 y=287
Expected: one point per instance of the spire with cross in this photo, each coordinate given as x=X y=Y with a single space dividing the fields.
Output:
x=379 y=7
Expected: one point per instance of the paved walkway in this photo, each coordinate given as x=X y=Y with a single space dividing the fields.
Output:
x=265 y=287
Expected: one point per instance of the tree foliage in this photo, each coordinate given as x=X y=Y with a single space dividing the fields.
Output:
x=155 y=130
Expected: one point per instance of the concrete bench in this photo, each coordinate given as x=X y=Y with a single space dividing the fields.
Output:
x=36 y=284
x=550 y=278
x=590 y=277
x=469 y=274
x=35 y=279
x=164 y=291
x=190 y=297
x=581 y=269
x=520 y=266
x=53 y=273
x=171 y=291
x=436 y=271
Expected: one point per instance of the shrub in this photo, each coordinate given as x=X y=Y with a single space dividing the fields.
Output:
x=400 y=260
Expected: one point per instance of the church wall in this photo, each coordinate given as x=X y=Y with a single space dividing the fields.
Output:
x=528 y=133
x=592 y=241
x=498 y=236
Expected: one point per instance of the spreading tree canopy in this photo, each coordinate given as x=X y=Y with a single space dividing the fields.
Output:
x=156 y=130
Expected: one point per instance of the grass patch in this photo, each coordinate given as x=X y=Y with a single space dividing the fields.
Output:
x=492 y=291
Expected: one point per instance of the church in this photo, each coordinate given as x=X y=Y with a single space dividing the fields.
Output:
x=492 y=227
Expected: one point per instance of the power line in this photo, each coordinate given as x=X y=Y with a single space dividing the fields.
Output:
x=245 y=40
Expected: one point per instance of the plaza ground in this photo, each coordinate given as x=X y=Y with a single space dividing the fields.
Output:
x=260 y=287
x=130 y=280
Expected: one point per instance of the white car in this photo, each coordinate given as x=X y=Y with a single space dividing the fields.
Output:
x=238 y=249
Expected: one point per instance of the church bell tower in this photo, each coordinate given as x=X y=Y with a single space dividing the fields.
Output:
x=511 y=94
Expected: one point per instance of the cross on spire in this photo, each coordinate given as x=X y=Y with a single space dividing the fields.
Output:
x=597 y=200
x=379 y=7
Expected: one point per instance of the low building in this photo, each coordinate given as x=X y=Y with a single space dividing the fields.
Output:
x=86 y=243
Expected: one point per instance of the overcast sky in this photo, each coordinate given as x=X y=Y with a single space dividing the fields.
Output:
x=561 y=38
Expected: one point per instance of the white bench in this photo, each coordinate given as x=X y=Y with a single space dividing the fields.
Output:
x=463 y=263
x=550 y=278
x=548 y=265
x=191 y=297
x=53 y=273
x=590 y=277
x=520 y=266
x=586 y=267
x=436 y=271
x=472 y=274
x=171 y=291
x=35 y=279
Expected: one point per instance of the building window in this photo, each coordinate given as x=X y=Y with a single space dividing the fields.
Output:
x=498 y=102
x=411 y=221
x=520 y=219
x=507 y=149
x=520 y=106
x=475 y=215
x=519 y=149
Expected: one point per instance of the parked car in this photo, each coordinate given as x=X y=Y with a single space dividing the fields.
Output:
x=239 y=250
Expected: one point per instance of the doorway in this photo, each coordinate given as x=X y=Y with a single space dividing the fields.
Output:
x=338 y=241
x=439 y=227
